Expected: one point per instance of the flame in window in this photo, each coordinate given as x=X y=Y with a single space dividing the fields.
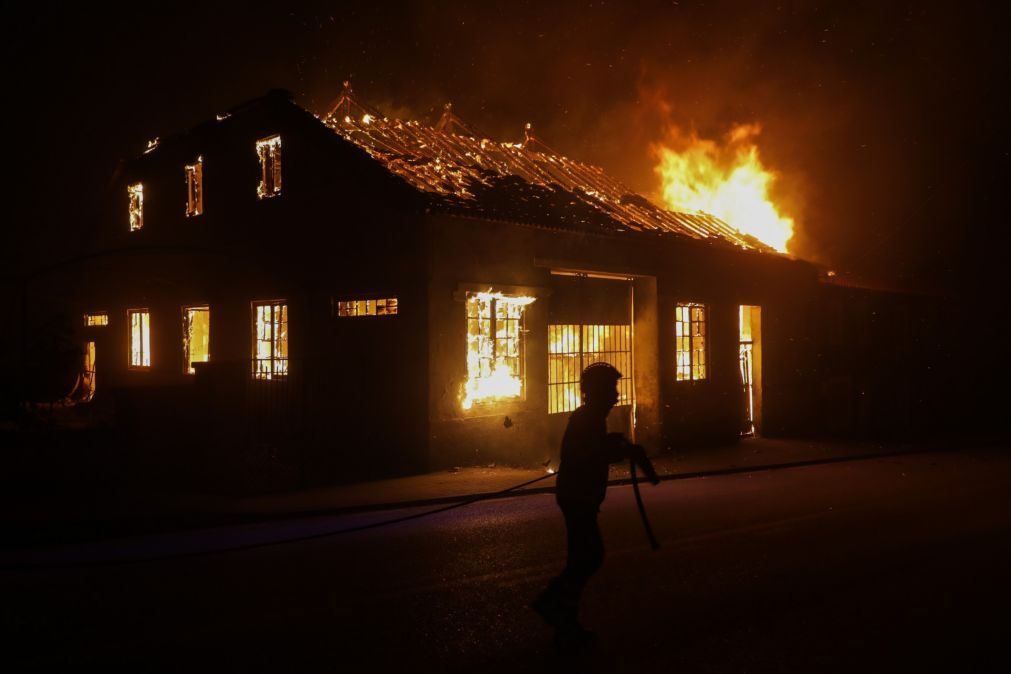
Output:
x=136 y=195
x=495 y=347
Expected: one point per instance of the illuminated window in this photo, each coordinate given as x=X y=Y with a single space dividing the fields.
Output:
x=495 y=347
x=572 y=348
x=269 y=152
x=136 y=194
x=97 y=319
x=270 y=340
x=384 y=306
x=196 y=337
x=690 y=338
x=88 y=372
x=140 y=337
x=195 y=187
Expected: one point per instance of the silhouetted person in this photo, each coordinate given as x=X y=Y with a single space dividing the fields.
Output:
x=587 y=451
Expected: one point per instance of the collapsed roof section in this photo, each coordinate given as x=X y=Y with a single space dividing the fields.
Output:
x=525 y=182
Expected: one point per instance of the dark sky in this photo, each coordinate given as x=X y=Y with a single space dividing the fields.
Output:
x=887 y=120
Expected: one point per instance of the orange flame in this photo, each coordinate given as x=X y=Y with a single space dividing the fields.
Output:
x=726 y=180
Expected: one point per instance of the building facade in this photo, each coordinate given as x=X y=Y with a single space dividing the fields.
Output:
x=347 y=295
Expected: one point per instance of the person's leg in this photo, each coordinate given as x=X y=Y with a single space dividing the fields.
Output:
x=586 y=554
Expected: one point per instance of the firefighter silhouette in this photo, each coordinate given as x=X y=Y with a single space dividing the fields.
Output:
x=587 y=452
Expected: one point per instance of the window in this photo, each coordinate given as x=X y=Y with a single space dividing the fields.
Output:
x=96 y=319
x=140 y=337
x=88 y=372
x=495 y=348
x=571 y=348
x=136 y=195
x=690 y=337
x=269 y=152
x=386 y=306
x=196 y=337
x=270 y=340
x=195 y=188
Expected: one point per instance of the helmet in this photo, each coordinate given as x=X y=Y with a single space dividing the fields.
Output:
x=599 y=379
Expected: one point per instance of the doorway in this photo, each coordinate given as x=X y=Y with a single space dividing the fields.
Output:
x=750 y=355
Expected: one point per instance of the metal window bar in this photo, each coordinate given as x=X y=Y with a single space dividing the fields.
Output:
x=384 y=306
x=270 y=357
x=140 y=338
x=572 y=348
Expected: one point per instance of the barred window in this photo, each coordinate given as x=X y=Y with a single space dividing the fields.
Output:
x=572 y=348
x=384 y=306
x=135 y=193
x=140 y=338
x=96 y=319
x=495 y=348
x=270 y=339
x=195 y=187
x=269 y=152
x=690 y=338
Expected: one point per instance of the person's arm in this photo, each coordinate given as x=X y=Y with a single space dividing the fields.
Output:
x=617 y=448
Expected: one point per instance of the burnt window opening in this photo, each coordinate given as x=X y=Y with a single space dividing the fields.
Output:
x=140 y=338
x=196 y=337
x=195 y=188
x=270 y=339
x=97 y=319
x=572 y=348
x=383 y=306
x=496 y=347
x=690 y=340
x=135 y=193
x=269 y=152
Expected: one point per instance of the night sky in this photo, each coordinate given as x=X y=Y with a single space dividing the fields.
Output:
x=887 y=121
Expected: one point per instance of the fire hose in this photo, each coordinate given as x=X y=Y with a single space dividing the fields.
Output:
x=653 y=543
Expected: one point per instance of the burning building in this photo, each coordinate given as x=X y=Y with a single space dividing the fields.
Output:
x=352 y=294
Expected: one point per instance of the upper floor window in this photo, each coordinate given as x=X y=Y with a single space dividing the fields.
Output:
x=270 y=339
x=269 y=152
x=384 y=306
x=496 y=343
x=690 y=338
x=96 y=319
x=136 y=195
x=140 y=338
x=195 y=187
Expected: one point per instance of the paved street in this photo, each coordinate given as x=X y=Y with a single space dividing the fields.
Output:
x=894 y=564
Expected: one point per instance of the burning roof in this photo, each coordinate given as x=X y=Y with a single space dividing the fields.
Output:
x=525 y=182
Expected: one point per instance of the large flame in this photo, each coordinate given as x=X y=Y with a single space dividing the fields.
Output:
x=727 y=180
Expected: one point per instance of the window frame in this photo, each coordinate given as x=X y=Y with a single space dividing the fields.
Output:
x=188 y=368
x=135 y=205
x=692 y=364
x=485 y=403
x=268 y=151
x=194 y=188
x=142 y=311
x=274 y=372
x=88 y=315
x=340 y=308
x=612 y=334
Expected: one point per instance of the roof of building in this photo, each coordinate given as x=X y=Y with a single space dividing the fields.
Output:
x=462 y=172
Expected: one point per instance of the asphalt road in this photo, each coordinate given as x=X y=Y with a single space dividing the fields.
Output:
x=897 y=564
